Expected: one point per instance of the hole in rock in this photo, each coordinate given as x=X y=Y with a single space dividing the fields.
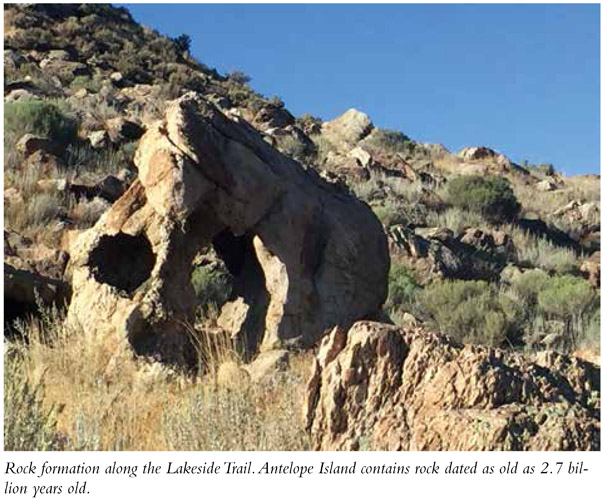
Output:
x=122 y=261
x=229 y=270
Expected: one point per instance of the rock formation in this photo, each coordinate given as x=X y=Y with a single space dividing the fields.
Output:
x=385 y=388
x=305 y=255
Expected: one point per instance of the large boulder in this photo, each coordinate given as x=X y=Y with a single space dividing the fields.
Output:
x=304 y=254
x=384 y=388
x=346 y=131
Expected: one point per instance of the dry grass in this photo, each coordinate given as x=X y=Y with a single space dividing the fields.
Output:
x=539 y=252
x=580 y=188
x=457 y=220
x=94 y=395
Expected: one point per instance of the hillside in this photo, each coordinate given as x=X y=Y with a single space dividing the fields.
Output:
x=170 y=231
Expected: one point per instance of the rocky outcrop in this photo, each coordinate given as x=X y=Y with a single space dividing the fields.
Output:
x=383 y=388
x=591 y=269
x=348 y=129
x=33 y=276
x=437 y=253
x=304 y=255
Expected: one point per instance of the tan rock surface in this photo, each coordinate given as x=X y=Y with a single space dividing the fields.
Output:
x=305 y=255
x=406 y=389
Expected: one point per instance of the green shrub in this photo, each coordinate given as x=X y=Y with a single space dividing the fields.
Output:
x=528 y=285
x=566 y=296
x=389 y=141
x=41 y=118
x=560 y=308
x=86 y=82
x=468 y=311
x=403 y=289
x=183 y=42
x=212 y=286
x=493 y=197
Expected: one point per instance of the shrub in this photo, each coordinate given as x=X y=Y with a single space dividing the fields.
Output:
x=567 y=296
x=468 y=311
x=493 y=197
x=528 y=285
x=212 y=286
x=561 y=308
x=183 y=42
x=389 y=141
x=39 y=117
x=539 y=252
x=238 y=77
x=403 y=289
x=28 y=426
x=456 y=219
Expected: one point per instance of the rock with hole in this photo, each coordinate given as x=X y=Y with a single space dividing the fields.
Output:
x=304 y=255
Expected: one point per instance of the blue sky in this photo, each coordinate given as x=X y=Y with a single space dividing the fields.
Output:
x=522 y=79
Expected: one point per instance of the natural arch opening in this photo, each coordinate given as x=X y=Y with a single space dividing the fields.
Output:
x=231 y=278
x=122 y=261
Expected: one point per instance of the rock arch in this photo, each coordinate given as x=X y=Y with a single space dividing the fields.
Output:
x=205 y=178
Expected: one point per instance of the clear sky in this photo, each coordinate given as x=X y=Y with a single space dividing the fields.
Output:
x=522 y=79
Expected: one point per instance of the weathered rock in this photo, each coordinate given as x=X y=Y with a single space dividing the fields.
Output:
x=497 y=242
x=272 y=116
x=98 y=139
x=436 y=253
x=47 y=163
x=116 y=78
x=32 y=273
x=386 y=388
x=19 y=95
x=122 y=130
x=348 y=129
x=12 y=60
x=64 y=69
x=362 y=157
x=304 y=254
x=591 y=269
x=546 y=185
x=30 y=144
x=267 y=364
x=477 y=153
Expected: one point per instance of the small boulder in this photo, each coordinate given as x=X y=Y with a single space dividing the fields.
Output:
x=30 y=144
x=591 y=269
x=267 y=364
x=546 y=185
x=122 y=130
x=98 y=139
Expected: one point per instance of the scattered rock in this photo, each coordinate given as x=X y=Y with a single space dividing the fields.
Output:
x=32 y=273
x=406 y=389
